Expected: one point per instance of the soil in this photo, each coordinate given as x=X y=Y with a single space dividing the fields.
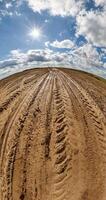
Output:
x=52 y=136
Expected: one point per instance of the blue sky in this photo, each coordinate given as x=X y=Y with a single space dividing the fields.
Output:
x=67 y=33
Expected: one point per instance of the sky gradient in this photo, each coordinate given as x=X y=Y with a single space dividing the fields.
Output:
x=67 y=33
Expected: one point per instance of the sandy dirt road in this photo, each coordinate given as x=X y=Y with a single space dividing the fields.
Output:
x=52 y=136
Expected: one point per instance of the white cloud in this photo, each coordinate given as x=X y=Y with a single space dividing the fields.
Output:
x=100 y=2
x=85 y=58
x=18 y=57
x=4 y=13
x=18 y=60
x=56 y=7
x=88 y=50
x=68 y=44
x=8 y=5
x=7 y=9
x=89 y=55
x=8 y=62
x=92 y=25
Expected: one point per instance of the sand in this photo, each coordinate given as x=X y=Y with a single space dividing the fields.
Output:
x=52 y=136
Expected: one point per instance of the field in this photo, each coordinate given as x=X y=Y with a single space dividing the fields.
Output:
x=52 y=136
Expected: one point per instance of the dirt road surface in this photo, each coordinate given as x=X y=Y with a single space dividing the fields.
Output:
x=52 y=136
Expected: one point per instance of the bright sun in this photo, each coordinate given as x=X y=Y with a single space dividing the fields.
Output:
x=35 y=33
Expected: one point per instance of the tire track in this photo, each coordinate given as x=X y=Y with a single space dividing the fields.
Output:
x=20 y=105
x=43 y=138
x=92 y=116
x=16 y=91
x=8 y=126
x=45 y=152
x=61 y=155
x=30 y=125
x=22 y=119
x=75 y=143
x=93 y=111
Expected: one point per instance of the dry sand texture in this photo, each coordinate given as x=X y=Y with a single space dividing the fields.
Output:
x=52 y=136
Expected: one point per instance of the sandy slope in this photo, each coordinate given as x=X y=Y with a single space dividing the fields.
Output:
x=52 y=136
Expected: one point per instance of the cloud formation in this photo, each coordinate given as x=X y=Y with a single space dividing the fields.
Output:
x=85 y=58
x=100 y=2
x=67 y=44
x=90 y=54
x=9 y=8
x=56 y=7
x=92 y=25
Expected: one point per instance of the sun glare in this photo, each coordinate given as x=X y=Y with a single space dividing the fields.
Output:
x=35 y=33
